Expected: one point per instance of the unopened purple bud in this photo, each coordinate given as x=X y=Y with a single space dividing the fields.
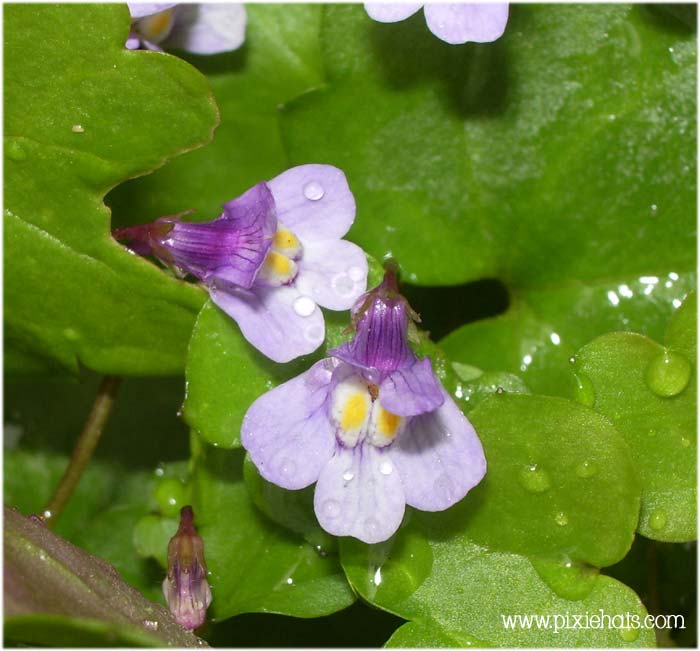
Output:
x=185 y=587
x=382 y=319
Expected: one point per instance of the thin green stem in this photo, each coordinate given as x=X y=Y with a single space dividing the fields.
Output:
x=84 y=447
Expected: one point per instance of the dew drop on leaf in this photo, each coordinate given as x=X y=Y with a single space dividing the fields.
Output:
x=657 y=520
x=668 y=374
x=586 y=469
x=534 y=479
x=584 y=392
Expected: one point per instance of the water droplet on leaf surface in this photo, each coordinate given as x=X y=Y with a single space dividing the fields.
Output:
x=668 y=374
x=584 y=391
x=534 y=479
x=586 y=469
x=657 y=520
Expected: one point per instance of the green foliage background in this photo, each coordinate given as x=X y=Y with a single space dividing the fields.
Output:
x=539 y=194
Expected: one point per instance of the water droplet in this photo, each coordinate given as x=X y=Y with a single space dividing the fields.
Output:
x=288 y=467
x=356 y=273
x=377 y=578
x=47 y=515
x=584 y=391
x=572 y=360
x=561 y=519
x=314 y=333
x=348 y=476
x=685 y=442
x=15 y=151
x=629 y=634
x=500 y=391
x=586 y=469
x=314 y=191
x=42 y=556
x=657 y=520
x=371 y=525
x=159 y=471
x=668 y=374
x=386 y=468
x=304 y=306
x=331 y=508
x=653 y=210
x=652 y=432
x=343 y=284
x=320 y=551
x=78 y=128
x=568 y=579
x=150 y=624
x=290 y=581
x=534 y=479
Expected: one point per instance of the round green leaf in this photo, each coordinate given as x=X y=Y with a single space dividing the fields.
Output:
x=72 y=293
x=649 y=392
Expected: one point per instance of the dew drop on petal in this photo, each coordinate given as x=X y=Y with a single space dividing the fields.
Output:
x=304 y=306
x=356 y=273
x=288 y=467
x=314 y=191
x=386 y=468
x=668 y=374
x=314 y=333
x=343 y=284
x=371 y=525
x=348 y=476
x=534 y=479
x=331 y=508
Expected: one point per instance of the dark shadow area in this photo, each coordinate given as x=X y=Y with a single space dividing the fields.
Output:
x=356 y=626
x=664 y=577
x=676 y=18
x=444 y=309
x=143 y=429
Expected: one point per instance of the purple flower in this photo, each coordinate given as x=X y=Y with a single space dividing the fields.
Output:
x=271 y=258
x=185 y=587
x=453 y=23
x=372 y=426
x=197 y=28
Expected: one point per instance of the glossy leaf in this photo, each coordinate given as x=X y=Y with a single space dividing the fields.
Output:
x=72 y=294
x=649 y=392
x=47 y=575
x=493 y=160
x=560 y=481
x=457 y=593
x=279 y=60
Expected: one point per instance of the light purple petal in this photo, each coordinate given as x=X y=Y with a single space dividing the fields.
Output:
x=280 y=322
x=439 y=458
x=412 y=391
x=133 y=43
x=459 y=23
x=141 y=9
x=333 y=273
x=385 y=12
x=360 y=494
x=314 y=201
x=287 y=431
x=208 y=28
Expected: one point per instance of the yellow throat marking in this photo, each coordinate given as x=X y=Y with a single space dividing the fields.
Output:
x=355 y=411
x=285 y=240
x=278 y=263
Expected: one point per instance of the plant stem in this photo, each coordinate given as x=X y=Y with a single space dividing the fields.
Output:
x=84 y=447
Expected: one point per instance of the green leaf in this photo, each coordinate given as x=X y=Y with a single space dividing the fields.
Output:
x=458 y=593
x=72 y=294
x=428 y=635
x=528 y=159
x=279 y=60
x=560 y=482
x=649 y=392
x=47 y=575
